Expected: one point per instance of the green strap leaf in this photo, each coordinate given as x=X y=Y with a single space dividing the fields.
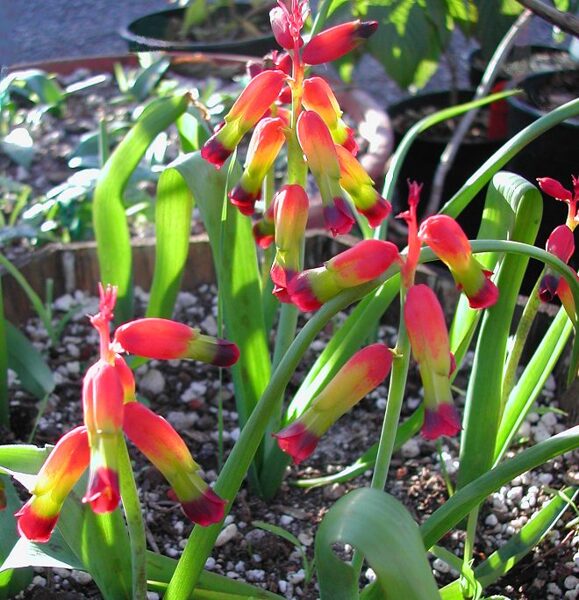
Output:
x=110 y=222
x=484 y=394
x=379 y=526
x=28 y=364
x=472 y=494
x=518 y=546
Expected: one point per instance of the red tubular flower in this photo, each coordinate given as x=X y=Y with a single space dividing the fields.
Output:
x=103 y=398
x=365 y=261
x=449 y=242
x=316 y=142
x=319 y=97
x=567 y=299
x=408 y=268
x=360 y=375
x=264 y=232
x=164 y=339
x=62 y=469
x=337 y=41
x=163 y=446
x=290 y=207
x=266 y=142
x=428 y=337
x=360 y=186
x=554 y=188
x=252 y=104
x=561 y=243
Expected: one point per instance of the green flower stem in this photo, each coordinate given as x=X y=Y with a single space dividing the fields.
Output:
x=231 y=477
x=469 y=541
x=135 y=524
x=523 y=328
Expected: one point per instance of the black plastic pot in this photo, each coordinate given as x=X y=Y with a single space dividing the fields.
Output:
x=522 y=61
x=151 y=33
x=422 y=159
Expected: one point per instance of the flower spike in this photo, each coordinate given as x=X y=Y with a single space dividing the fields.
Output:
x=290 y=207
x=337 y=41
x=449 y=242
x=316 y=142
x=248 y=109
x=66 y=463
x=360 y=375
x=363 y=262
x=428 y=337
x=163 y=446
x=165 y=340
x=360 y=186
x=266 y=142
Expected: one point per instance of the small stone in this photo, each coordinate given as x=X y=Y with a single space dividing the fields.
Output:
x=282 y=586
x=181 y=420
x=533 y=417
x=306 y=539
x=571 y=594
x=39 y=581
x=227 y=534
x=285 y=520
x=255 y=575
x=333 y=492
x=297 y=577
x=153 y=596
x=240 y=567
x=370 y=575
x=541 y=432
x=549 y=419
x=411 y=449
x=209 y=325
x=381 y=403
x=210 y=563
x=571 y=582
x=546 y=478
x=491 y=520
x=152 y=383
x=515 y=494
x=440 y=566
x=553 y=588
x=64 y=573
x=81 y=577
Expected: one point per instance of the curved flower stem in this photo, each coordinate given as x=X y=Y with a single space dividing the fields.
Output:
x=135 y=524
x=527 y=318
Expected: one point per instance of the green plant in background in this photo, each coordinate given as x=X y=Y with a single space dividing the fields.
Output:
x=373 y=273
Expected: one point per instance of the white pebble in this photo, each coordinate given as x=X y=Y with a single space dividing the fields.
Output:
x=541 y=432
x=152 y=596
x=546 y=478
x=381 y=403
x=282 y=586
x=411 y=449
x=491 y=520
x=240 y=566
x=255 y=575
x=39 y=581
x=553 y=588
x=297 y=577
x=81 y=577
x=152 y=383
x=440 y=566
x=515 y=494
x=549 y=419
x=305 y=539
x=571 y=582
x=181 y=420
x=226 y=535
x=210 y=563
x=285 y=520
x=370 y=575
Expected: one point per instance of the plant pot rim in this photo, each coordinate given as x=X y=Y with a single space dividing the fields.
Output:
x=519 y=103
x=127 y=33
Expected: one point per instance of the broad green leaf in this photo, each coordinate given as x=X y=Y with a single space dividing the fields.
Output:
x=379 y=526
x=472 y=494
x=110 y=221
x=484 y=393
x=148 y=78
x=11 y=581
x=412 y=34
x=19 y=146
x=237 y=274
x=28 y=363
x=518 y=546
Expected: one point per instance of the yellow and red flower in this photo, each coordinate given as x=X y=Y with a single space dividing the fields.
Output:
x=360 y=375
x=428 y=337
x=448 y=241
x=363 y=262
x=570 y=197
x=248 y=109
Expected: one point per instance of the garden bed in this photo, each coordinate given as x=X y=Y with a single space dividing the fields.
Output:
x=188 y=393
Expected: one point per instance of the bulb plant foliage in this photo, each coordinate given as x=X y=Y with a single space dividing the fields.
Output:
x=290 y=115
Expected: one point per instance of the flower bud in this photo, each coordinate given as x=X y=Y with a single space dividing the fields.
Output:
x=364 y=262
x=253 y=102
x=266 y=142
x=428 y=337
x=164 y=339
x=61 y=470
x=360 y=186
x=554 y=188
x=337 y=41
x=163 y=446
x=359 y=376
x=448 y=241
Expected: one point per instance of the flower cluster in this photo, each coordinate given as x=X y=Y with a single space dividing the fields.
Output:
x=423 y=317
x=313 y=124
x=110 y=408
x=561 y=243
